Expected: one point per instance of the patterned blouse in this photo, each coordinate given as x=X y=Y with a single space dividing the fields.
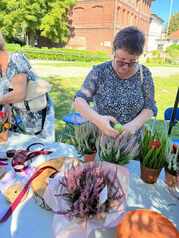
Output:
x=122 y=99
x=19 y=64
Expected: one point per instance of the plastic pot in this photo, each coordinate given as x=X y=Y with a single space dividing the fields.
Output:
x=149 y=175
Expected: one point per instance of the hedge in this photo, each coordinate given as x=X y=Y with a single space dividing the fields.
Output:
x=59 y=53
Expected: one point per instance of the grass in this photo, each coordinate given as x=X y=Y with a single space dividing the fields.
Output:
x=63 y=91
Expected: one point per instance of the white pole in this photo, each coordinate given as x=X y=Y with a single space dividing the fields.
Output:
x=170 y=14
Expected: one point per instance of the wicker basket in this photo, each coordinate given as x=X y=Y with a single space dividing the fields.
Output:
x=39 y=185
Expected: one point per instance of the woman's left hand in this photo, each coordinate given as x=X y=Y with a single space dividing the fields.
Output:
x=129 y=129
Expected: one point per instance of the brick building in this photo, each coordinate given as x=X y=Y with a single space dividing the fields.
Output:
x=96 y=22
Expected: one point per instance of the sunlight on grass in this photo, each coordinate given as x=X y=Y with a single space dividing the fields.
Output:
x=165 y=91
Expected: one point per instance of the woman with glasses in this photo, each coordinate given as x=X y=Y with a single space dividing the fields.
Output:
x=121 y=90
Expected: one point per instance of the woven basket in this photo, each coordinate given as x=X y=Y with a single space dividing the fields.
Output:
x=39 y=185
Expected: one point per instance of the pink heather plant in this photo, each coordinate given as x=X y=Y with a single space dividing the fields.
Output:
x=90 y=190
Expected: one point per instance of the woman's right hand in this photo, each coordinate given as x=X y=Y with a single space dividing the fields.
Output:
x=103 y=123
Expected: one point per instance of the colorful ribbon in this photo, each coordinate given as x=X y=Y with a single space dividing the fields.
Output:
x=23 y=192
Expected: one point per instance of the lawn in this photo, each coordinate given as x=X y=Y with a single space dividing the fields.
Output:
x=63 y=90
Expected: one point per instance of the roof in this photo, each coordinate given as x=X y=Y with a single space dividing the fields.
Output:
x=157 y=17
x=174 y=35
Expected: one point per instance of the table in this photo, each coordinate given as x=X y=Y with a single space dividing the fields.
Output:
x=29 y=220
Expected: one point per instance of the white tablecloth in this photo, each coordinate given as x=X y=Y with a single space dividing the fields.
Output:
x=29 y=220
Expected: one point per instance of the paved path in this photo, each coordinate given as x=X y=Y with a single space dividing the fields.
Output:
x=71 y=71
x=46 y=71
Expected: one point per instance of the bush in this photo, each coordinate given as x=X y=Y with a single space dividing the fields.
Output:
x=173 y=51
x=59 y=53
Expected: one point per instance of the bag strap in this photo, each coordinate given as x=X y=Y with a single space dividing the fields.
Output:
x=141 y=73
x=43 y=111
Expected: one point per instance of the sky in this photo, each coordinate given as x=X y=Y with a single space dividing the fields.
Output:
x=162 y=8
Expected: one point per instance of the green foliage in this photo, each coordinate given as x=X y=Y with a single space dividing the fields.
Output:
x=170 y=56
x=29 y=18
x=118 y=151
x=173 y=51
x=156 y=53
x=174 y=23
x=85 y=138
x=67 y=135
x=61 y=54
x=154 y=146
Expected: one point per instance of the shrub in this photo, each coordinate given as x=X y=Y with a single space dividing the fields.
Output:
x=61 y=54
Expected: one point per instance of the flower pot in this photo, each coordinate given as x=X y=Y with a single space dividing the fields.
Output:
x=170 y=178
x=4 y=136
x=149 y=175
x=90 y=157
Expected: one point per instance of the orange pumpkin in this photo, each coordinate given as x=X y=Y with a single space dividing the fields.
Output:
x=144 y=223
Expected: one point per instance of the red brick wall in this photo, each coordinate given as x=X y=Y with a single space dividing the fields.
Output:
x=96 y=21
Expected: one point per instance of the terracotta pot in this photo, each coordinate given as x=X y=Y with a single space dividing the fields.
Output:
x=170 y=178
x=149 y=175
x=144 y=223
x=4 y=136
x=90 y=157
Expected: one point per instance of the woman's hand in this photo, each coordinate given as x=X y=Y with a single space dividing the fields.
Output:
x=103 y=123
x=129 y=128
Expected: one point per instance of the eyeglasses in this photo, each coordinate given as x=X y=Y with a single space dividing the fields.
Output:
x=122 y=63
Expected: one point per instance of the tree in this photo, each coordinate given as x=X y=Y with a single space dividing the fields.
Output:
x=174 y=23
x=32 y=19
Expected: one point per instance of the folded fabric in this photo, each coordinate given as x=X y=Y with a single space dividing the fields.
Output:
x=74 y=118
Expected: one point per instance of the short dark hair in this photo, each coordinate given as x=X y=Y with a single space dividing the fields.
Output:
x=131 y=39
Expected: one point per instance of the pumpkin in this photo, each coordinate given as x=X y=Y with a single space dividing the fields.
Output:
x=144 y=223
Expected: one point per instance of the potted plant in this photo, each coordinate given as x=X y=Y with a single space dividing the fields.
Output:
x=86 y=197
x=118 y=151
x=85 y=140
x=172 y=166
x=67 y=135
x=154 y=149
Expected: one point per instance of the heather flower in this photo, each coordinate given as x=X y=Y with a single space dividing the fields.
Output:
x=90 y=190
x=118 y=151
x=95 y=200
x=173 y=160
x=85 y=138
